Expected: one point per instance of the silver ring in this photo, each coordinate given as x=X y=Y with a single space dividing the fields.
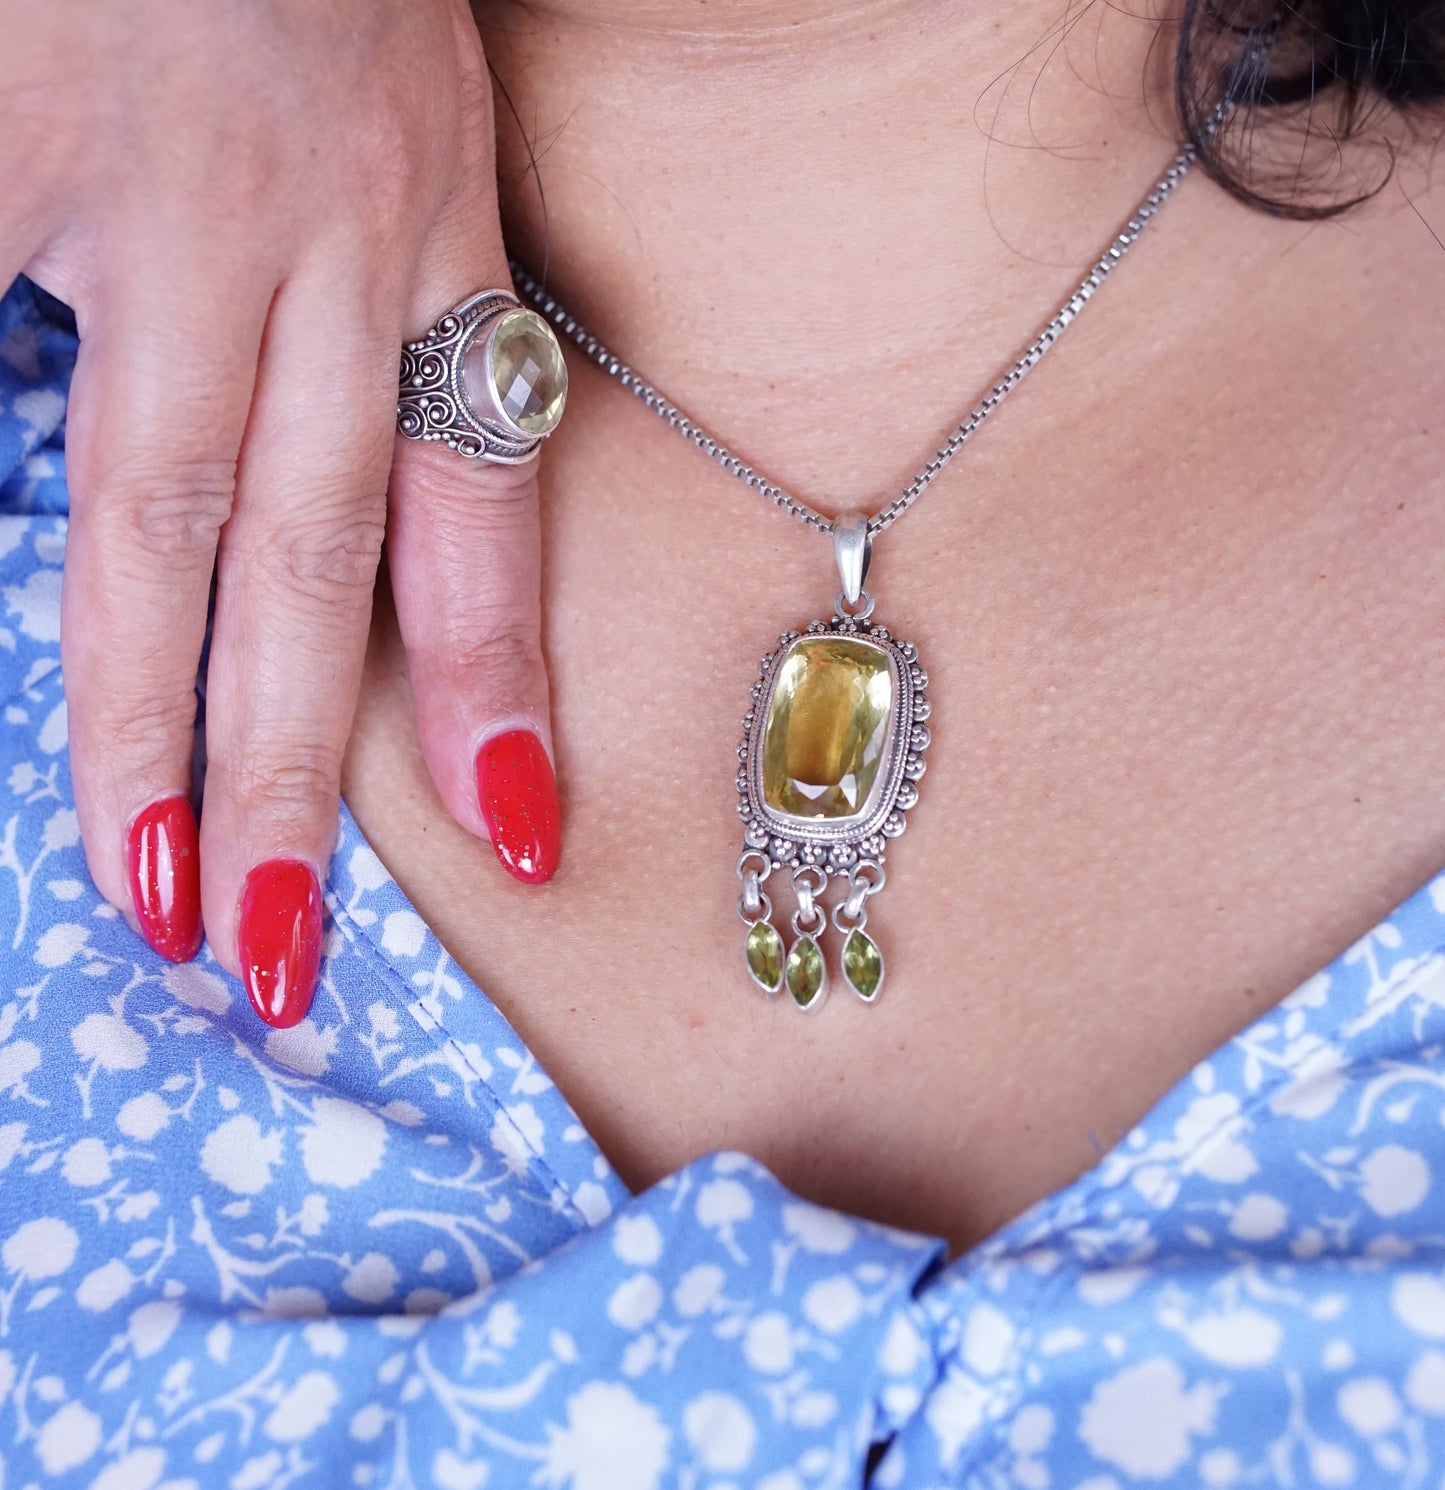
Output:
x=488 y=379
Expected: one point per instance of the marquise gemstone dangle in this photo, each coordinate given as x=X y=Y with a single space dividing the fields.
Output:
x=831 y=754
x=833 y=744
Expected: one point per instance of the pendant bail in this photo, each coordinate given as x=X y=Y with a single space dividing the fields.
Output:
x=853 y=550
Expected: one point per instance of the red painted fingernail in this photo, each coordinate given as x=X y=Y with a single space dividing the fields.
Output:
x=518 y=796
x=163 y=859
x=279 y=939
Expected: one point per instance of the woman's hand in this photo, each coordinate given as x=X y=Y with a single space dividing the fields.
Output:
x=250 y=208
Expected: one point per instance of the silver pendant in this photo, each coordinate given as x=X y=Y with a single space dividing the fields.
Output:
x=831 y=756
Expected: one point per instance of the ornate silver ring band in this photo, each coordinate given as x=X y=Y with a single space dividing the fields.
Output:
x=488 y=379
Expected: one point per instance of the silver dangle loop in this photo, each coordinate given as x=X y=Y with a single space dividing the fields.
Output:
x=753 y=902
x=865 y=606
x=852 y=907
x=846 y=919
x=761 y=911
x=853 y=551
x=851 y=913
x=763 y=951
x=811 y=921
x=752 y=898
x=808 y=883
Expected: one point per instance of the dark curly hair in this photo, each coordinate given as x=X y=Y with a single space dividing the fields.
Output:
x=1322 y=91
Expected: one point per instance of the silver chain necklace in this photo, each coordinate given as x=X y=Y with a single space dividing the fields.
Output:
x=834 y=740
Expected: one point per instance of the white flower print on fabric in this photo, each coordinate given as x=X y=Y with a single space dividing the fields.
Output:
x=1143 y=1419
x=380 y=1251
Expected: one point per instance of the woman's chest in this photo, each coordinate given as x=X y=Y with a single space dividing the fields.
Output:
x=1188 y=724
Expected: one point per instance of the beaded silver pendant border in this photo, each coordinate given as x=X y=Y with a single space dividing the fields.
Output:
x=814 y=854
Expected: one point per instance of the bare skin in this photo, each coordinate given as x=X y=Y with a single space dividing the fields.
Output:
x=1181 y=603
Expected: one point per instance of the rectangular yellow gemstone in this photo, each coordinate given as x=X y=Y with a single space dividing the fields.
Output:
x=829 y=728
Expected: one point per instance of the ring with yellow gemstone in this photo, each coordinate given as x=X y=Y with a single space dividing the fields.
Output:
x=831 y=754
x=488 y=379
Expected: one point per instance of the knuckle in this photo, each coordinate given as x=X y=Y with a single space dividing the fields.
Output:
x=292 y=788
x=473 y=501
x=173 y=512
x=331 y=561
x=501 y=648
x=187 y=523
x=503 y=489
x=134 y=731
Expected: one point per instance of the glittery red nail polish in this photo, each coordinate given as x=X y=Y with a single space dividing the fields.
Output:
x=518 y=796
x=163 y=860
x=279 y=939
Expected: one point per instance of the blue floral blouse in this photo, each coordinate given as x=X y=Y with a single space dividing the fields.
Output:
x=379 y=1250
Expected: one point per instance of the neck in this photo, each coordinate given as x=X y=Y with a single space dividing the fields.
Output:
x=799 y=219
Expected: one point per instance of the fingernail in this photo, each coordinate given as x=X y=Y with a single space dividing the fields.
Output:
x=518 y=796
x=279 y=939
x=163 y=860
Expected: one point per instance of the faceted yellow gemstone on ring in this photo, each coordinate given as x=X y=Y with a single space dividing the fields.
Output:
x=828 y=728
x=518 y=371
